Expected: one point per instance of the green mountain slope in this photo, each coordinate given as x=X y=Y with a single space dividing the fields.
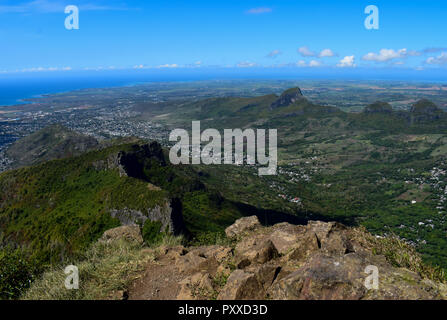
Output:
x=59 y=207
x=53 y=142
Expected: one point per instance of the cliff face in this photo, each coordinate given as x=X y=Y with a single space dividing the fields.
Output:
x=169 y=214
x=132 y=164
x=287 y=262
x=287 y=98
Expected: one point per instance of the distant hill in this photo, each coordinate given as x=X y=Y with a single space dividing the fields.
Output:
x=423 y=117
x=424 y=110
x=293 y=112
x=234 y=112
x=425 y=106
x=379 y=107
x=52 y=142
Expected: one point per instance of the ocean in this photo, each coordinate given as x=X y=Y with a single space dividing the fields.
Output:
x=12 y=91
x=15 y=87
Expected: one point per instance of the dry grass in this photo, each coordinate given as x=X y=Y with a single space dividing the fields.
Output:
x=169 y=240
x=398 y=253
x=106 y=269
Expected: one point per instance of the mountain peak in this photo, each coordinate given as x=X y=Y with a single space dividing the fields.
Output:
x=424 y=106
x=424 y=110
x=288 y=97
x=52 y=142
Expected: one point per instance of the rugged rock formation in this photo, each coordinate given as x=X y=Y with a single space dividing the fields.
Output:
x=131 y=164
x=287 y=98
x=316 y=261
x=130 y=233
x=242 y=225
x=169 y=214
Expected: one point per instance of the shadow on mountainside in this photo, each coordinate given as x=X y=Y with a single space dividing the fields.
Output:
x=271 y=217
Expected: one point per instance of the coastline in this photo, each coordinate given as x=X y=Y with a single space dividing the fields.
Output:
x=29 y=91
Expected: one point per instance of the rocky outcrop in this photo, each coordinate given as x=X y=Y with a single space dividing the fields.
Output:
x=242 y=225
x=132 y=163
x=169 y=214
x=241 y=284
x=256 y=250
x=312 y=262
x=130 y=233
x=287 y=98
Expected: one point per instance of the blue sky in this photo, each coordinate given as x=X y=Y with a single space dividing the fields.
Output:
x=213 y=34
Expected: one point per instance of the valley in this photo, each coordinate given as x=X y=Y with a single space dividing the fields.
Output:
x=81 y=156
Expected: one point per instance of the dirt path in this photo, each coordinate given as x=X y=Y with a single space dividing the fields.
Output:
x=177 y=274
x=159 y=282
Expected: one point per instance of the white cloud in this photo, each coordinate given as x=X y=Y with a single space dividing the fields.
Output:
x=37 y=69
x=326 y=53
x=102 y=68
x=42 y=69
x=312 y=63
x=169 y=66
x=346 y=62
x=274 y=54
x=259 y=10
x=414 y=53
x=441 y=59
x=246 y=64
x=386 y=55
x=306 y=52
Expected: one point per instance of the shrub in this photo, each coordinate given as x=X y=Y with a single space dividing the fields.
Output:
x=211 y=238
x=17 y=272
x=152 y=233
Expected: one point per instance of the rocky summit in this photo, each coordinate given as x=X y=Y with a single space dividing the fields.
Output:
x=317 y=261
x=287 y=98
